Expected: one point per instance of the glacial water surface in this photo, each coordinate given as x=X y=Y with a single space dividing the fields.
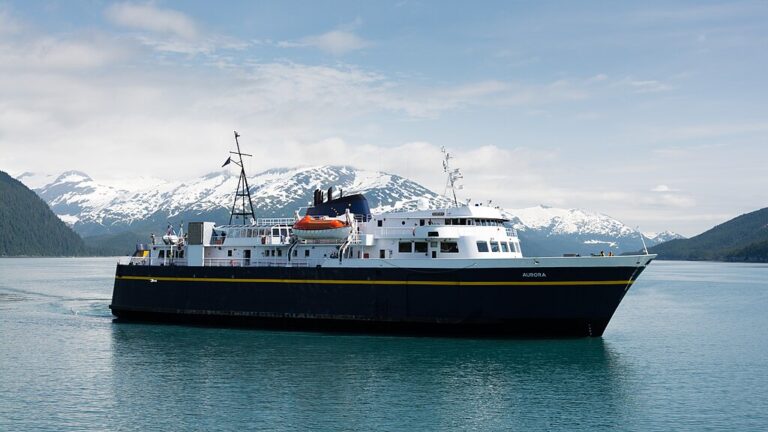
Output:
x=687 y=350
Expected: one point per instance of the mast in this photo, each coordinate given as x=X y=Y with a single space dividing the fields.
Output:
x=453 y=175
x=243 y=192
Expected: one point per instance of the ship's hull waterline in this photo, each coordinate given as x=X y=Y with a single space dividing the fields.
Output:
x=556 y=302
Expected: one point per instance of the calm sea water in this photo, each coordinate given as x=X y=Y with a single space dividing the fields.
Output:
x=687 y=350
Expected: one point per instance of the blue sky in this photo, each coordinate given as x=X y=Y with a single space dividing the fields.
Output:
x=651 y=112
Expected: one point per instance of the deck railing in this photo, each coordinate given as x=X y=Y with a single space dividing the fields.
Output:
x=275 y=221
x=242 y=262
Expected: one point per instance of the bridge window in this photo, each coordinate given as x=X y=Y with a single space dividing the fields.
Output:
x=504 y=247
x=421 y=247
x=495 y=247
x=404 y=247
x=482 y=246
x=449 y=247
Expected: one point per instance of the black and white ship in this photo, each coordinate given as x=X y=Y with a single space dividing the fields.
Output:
x=452 y=271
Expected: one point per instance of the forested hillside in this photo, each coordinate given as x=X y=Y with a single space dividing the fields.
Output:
x=29 y=228
x=744 y=238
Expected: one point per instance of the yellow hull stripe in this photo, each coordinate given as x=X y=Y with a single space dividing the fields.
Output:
x=374 y=282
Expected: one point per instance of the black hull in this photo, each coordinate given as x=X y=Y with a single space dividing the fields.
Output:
x=567 y=302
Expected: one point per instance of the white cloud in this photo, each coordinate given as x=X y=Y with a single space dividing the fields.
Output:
x=598 y=78
x=674 y=200
x=151 y=18
x=336 y=42
x=645 y=86
x=8 y=24
x=169 y=31
x=664 y=188
x=711 y=130
x=47 y=53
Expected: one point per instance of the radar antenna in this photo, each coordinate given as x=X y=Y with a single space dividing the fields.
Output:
x=243 y=193
x=453 y=175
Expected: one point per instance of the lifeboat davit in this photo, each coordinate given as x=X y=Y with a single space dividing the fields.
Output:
x=321 y=228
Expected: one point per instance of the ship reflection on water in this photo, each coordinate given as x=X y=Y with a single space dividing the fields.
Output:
x=261 y=379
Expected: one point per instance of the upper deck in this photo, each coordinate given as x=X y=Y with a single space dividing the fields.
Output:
x=459 y=233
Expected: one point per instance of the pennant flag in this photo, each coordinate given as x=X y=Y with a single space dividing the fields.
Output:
x=229 y=159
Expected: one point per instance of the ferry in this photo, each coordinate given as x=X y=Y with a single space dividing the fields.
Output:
x=451 y=271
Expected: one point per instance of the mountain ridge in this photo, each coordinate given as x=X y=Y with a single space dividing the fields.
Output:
x=107 y=211
x=743 y=238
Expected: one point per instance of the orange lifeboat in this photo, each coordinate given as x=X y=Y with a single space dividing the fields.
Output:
x=310 y=223
x=309 y=227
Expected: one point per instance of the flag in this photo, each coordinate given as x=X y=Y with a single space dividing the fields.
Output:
x=229 y=159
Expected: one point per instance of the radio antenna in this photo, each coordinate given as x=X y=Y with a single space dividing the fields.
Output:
x=453 y=175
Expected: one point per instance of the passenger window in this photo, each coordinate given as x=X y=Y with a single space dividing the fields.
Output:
x=449 y=247
x=482 y=246
x=306 y=253
x=382 y=253
x=504 y=247
x=421 y=247
x=495 y=247
x=404 y=247
x=279 y=252
x=275 y=232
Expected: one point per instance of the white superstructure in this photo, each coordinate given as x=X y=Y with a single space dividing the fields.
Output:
x=459 y=233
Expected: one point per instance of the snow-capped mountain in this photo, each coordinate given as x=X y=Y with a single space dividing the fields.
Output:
x=94 y=208
x=147 y=205
x=552 y=231
x=661 y=237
